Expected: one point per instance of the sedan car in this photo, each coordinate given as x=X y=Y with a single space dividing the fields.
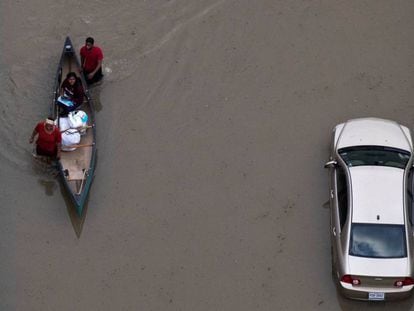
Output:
x=371 y=179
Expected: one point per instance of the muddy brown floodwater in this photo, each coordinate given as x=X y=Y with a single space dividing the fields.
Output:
x=213 y=126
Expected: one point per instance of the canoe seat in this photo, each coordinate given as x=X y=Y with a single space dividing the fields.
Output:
x=76 y=175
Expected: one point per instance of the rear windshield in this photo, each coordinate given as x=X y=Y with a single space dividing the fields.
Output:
x=375 y=155
x=378 y=241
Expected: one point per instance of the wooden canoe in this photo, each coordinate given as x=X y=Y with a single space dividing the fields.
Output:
x=76 y=168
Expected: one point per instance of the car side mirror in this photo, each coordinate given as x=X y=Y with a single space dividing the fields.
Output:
x=330 y=164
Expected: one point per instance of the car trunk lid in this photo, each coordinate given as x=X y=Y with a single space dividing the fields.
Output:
x=379 y=271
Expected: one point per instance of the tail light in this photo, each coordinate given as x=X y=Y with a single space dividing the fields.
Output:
x=405 y=282
x=350 y=280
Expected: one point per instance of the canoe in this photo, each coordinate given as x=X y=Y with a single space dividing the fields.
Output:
x=76 y=168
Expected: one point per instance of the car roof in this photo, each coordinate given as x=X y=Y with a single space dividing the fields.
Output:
x=372 y=132
x=377 y=191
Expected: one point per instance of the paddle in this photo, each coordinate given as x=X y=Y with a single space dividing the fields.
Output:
x=78 y=129
x=79 y=146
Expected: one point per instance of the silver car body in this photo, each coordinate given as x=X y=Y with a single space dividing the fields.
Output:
x=370 y=204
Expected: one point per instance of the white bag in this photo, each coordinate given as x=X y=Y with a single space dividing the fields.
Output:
x=69 y=138
x=77 y=118
x=63 y=124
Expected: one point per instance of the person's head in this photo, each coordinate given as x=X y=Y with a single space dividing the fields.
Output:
x=71 y=77
x=49 y=124
x=89 y=42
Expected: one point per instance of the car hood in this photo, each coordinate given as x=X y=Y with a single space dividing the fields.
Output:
x=380 y=267
x=373 y=132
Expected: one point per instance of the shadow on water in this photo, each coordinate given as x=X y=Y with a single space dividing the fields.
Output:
x=95 y=92
x=50 y=185
x=48 y=174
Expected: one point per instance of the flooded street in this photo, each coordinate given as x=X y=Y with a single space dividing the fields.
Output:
x=213 y=126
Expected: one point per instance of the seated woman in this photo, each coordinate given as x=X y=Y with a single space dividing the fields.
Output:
x=71 y=93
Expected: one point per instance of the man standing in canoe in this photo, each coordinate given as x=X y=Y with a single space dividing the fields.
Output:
x=91 y=59
x=48 y=139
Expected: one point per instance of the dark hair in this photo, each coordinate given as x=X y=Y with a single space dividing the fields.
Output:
x=90 y=40
x=71 y=74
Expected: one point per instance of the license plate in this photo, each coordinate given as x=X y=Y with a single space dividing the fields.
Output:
x=376 y=296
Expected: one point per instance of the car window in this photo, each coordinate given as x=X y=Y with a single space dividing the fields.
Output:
x=374 y=155
x=377 y=241
x=342 y=191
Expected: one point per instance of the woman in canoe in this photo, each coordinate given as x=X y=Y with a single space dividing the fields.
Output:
x=71 y=93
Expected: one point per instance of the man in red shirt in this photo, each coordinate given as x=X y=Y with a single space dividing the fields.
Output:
x=91 y=58
x=48 y=139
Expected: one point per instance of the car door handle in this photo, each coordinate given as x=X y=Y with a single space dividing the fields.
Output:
x=332 y=194
x=334 y=231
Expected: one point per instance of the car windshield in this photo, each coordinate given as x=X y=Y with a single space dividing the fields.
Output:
x=377 y=241
x=374 y=155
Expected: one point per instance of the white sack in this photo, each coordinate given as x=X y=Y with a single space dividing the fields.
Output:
x=63 y=124
x=70 y=137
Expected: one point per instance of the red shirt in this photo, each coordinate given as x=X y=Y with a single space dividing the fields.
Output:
x=47 y=141
x=90 y=58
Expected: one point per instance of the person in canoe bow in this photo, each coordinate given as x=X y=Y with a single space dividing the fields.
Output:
x=48 y=139
x=71 y=93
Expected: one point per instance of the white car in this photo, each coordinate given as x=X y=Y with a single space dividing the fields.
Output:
x=371 y=174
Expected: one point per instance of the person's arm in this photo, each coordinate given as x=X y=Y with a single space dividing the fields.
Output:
x=82 y=58
x=31 y=140
x=90 y=75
